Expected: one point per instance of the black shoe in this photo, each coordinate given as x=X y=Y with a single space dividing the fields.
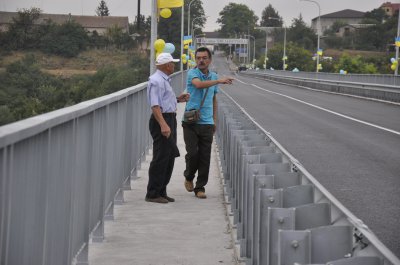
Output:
x=169 y=199
x=157 y=200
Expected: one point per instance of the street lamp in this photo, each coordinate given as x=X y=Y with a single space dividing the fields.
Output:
x=397 y=47
x=318 y=29
x=284 y=44
x=188 y=23
x=266 y=43
x=194 y=20
x=254 y=47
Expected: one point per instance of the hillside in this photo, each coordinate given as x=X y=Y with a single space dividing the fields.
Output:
x=337 y=53
x=87 y=62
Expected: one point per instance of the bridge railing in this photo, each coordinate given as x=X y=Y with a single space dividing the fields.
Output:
x=369 y=90
x=62 y=172
x=380 y=79
x=283 y=215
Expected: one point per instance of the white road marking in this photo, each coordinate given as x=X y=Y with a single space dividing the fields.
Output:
x=326 y=110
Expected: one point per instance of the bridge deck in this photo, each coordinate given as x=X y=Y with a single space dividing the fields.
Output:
x=187 y=231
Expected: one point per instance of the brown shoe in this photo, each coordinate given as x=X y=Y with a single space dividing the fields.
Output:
x=157 y=200
x=201 y=195
x=169 y=199
x=189 y=185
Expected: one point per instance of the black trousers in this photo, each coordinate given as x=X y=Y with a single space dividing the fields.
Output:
x=164 y=153
x=198 y=140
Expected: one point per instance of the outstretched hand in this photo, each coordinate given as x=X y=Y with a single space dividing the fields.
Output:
x=226 y=80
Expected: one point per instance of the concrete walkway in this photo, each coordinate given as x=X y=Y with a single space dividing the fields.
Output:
x=189 y=231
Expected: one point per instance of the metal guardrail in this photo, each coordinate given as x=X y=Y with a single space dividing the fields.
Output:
x=355 y=78
x=369 y=90
x=282 y=213
x=62 y=172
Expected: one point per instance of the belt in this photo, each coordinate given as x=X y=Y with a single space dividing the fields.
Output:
x=169 y=113
x=165 y=114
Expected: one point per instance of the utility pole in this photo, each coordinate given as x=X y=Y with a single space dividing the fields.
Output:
x=397 y=47
x=138 y=16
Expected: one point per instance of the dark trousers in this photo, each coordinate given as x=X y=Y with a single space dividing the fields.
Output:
x=198 y=140
x=164 y=153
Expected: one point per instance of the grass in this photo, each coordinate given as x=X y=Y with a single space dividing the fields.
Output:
x=337 y=53
x=87 y=62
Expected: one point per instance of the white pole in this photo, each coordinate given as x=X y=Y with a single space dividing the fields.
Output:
x=182 y=33
x=318 y=28
x=266 y=48
x=188 y=31
x=318 y=34
x=284 y=49
x=153 y=36
x=397 y=48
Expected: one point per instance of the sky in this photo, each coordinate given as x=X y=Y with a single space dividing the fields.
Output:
x=287 y=9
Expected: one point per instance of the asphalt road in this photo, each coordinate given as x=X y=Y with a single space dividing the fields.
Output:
x=350 y=145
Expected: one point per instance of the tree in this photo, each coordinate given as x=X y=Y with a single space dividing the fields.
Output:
x=22 y=32
x=297 y=57
x=169 y=28
x=270 y=12
x=355 y=64
x=375 y=16
x=66 y=40
x=301 y=34
x=236 y=19
x=102 y=9
x=144 y=32
x=196 y=11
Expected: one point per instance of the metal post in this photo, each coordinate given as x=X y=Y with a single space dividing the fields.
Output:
x=188 y=30
x=318 y=28
x=284 y=49
x=397 y=48
x=182 y=34
x=266 y=48
x=266 y=42
x=138 y=16
x=318 y=34
x=153 y=35
x=254 y=48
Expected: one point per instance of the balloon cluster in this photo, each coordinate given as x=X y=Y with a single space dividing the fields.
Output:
x=394 y=64
x=160 y=46
x=342 y=72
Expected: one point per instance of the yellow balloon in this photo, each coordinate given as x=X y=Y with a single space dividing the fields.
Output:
x=159 y=45
x=393 y=67
x=183 y=56
x=184 y=61
x=165 y=13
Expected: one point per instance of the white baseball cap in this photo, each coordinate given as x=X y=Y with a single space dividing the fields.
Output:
x=164 y=58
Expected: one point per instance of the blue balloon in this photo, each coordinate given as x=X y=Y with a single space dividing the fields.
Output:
x=392 y=60
x=169 y=48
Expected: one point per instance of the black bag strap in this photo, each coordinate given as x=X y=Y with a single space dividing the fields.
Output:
x=204 y=98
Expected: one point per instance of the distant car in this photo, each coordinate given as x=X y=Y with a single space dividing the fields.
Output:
x=242 y=68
